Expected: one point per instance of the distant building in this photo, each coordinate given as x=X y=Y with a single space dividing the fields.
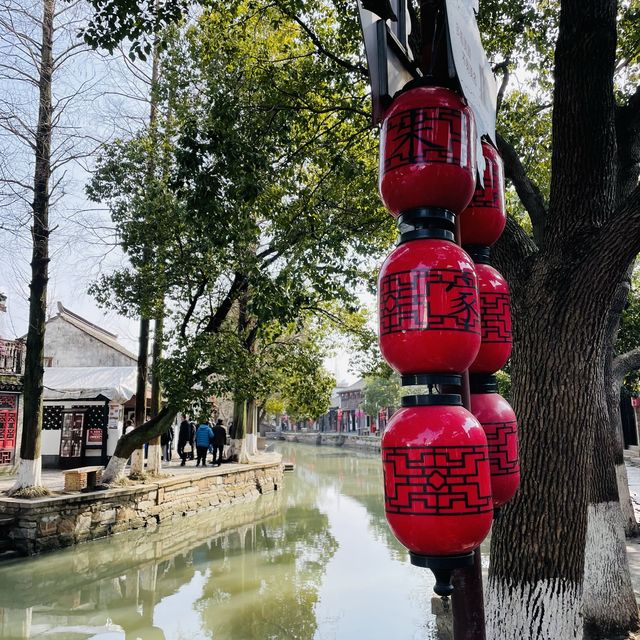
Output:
x=11 y=370
x=89 y=386
x=72 y=341
x=351 y=414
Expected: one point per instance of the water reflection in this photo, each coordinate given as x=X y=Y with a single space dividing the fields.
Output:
x=315 y=561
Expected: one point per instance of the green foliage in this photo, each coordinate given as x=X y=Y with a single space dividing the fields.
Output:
x=260 y=209
x=381 y=393
x=629 y=334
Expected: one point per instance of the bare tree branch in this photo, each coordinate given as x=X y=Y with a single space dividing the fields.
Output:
x=527 y=190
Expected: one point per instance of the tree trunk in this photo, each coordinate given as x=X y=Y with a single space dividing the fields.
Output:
x=136 y=438
x=29 y=479
x=137 y=457
x=537 y=546
x=609 y=603
x=240 y=422
x=155 y=453
x=626 y=504
x=251 y=436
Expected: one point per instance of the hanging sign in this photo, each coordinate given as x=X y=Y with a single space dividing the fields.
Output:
x=94 y=436
x=115 y=416
x=472 y=67
x=389 y=57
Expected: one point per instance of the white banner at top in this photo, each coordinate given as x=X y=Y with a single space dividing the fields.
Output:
x=473 y=69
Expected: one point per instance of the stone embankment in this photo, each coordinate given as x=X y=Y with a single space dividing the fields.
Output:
x=33 y=526
x=366 y=443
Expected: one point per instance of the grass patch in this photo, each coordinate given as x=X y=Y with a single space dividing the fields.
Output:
x=29 y=492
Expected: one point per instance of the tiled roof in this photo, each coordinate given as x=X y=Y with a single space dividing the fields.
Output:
x=92 y=329
x=358 y=385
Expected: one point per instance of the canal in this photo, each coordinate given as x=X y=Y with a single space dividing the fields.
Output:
x=315 y=560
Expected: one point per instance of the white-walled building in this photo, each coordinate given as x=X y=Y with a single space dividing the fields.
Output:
x=72 y=341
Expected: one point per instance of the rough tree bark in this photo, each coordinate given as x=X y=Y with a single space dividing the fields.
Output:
x=29 y=480
x=137 y=456
x=562 y=290
x=155 y=454
x=622 y=365
x=609 y=603
x=134 y=439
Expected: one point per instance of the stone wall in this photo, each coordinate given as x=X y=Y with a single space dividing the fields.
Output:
x=368 y=443
x=60 y=521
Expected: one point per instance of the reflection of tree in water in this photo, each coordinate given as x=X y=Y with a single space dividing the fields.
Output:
x=353 y=473
x=268 y=577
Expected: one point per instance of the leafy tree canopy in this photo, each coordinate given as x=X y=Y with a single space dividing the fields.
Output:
x=263 y=203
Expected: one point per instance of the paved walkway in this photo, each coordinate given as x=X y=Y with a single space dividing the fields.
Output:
x=53 y=479
x=633 y=546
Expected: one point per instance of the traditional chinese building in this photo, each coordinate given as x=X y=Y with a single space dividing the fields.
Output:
x=84 y=409
x=351 y=416
x=11 y=370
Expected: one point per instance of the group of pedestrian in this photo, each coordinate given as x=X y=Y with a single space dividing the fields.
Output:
x=205 y=438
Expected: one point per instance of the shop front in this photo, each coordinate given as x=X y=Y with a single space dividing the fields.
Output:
x=83 y=414
x=8 y=426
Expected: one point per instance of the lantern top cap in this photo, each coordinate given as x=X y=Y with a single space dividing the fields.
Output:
x=483 y=383
x=478 y=253
x=427 y=217
x=423 y=379
x=433 y=399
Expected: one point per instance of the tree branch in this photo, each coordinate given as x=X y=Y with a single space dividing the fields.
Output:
x=504 y=67
x=619 y=240
x=628 y=140
x=625 y=363
x=356 y=68
x=527 y=190
x=512 y=253
x=192 y=306
x=238 y=285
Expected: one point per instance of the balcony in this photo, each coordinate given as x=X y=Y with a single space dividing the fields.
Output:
x=11 y=356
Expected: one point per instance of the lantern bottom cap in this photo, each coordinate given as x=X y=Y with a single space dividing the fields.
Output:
x=442 y=567
x=442 y=562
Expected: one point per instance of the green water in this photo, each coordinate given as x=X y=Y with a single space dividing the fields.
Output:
x=315 y=560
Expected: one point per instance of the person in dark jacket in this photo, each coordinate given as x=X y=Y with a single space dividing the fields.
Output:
x=185 y=436
x=204 y=439
x=219 y=440
x=166 y=440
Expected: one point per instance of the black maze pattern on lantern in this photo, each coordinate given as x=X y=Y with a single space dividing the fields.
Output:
x=407 y=301
x=437 y=481
x=426 y=135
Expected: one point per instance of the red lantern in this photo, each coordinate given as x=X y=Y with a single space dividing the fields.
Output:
x=484 y=219
x=495 y=313
x=427 y=151
x=429 y=316
x=436 y=477
x=499 y=423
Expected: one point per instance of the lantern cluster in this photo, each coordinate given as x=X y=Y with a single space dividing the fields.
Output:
x=442 y=311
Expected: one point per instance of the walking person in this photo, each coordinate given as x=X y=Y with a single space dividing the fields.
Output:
x=192 y=440
x=219 y=440
x=185 y=437
x=204 y=439
x=166 y=440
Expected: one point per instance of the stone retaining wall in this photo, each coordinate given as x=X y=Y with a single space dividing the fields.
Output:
x=60 y=521
x=368 y=443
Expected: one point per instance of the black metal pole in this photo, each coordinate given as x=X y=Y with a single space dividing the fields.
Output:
x=467 y=600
